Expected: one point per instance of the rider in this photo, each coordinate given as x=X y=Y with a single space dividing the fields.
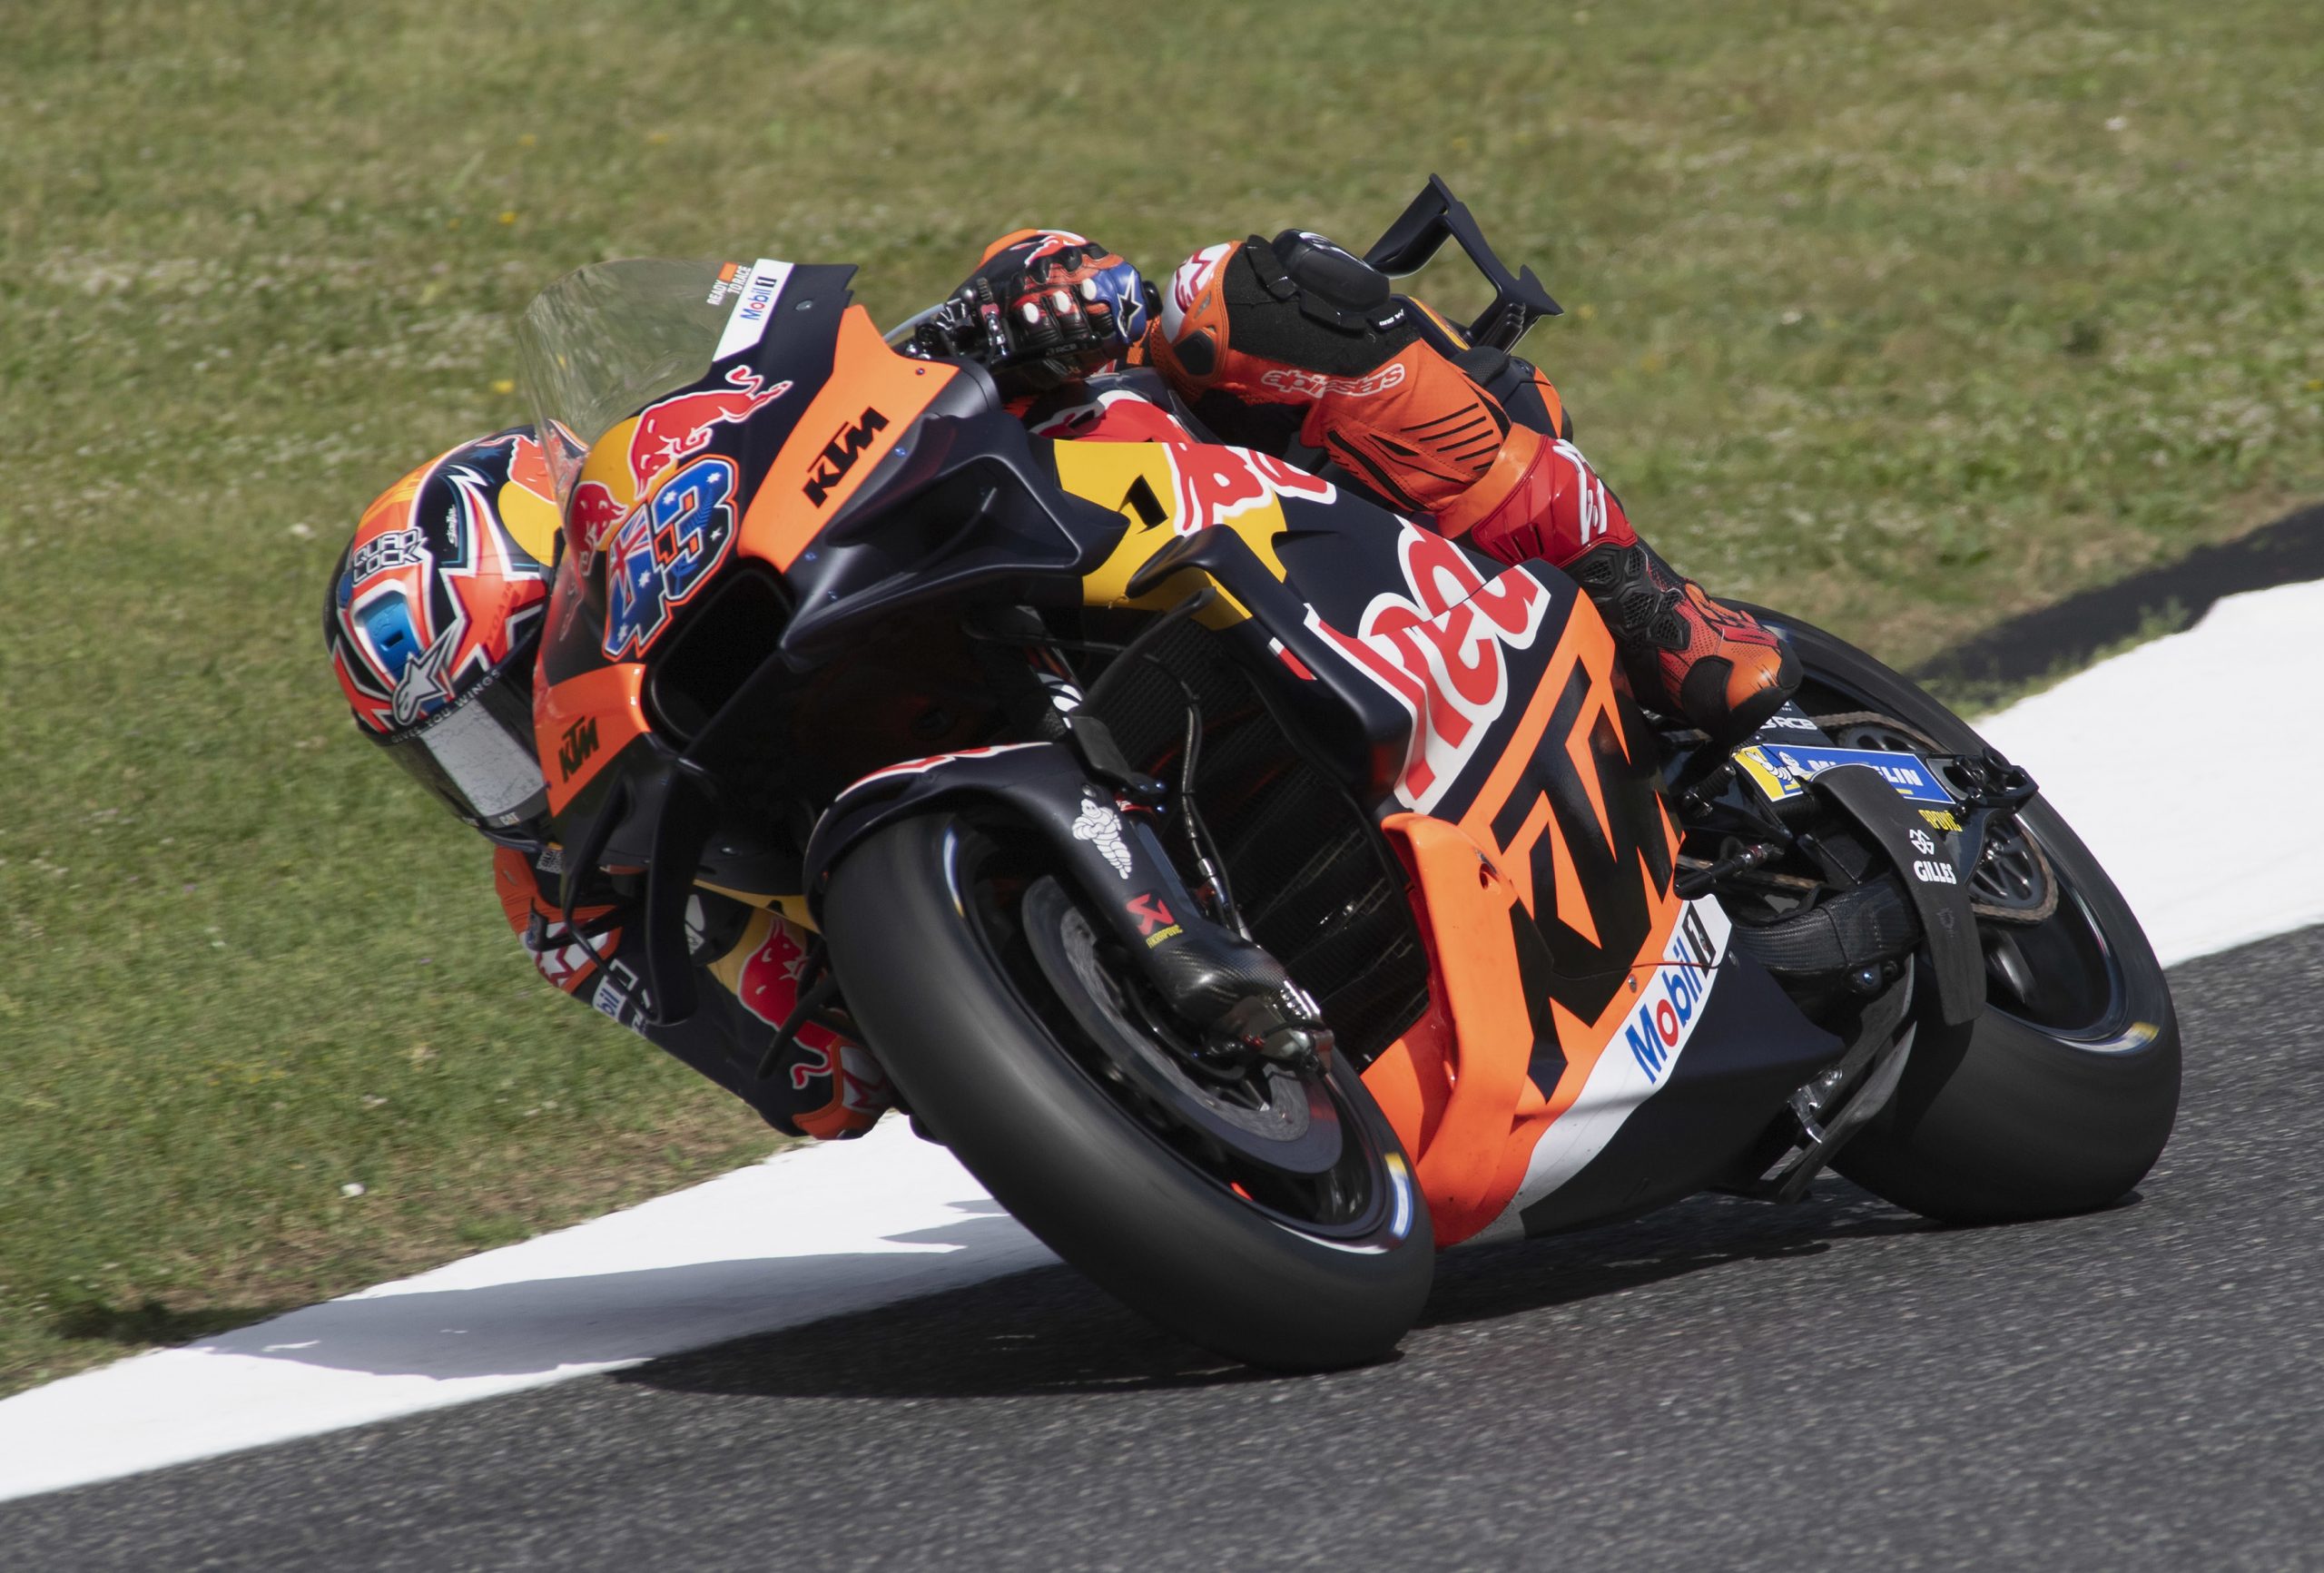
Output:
x=1299 y=348
x=1291 y=346
x=433 y=619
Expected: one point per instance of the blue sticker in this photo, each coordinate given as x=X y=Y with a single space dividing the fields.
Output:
x=1779 y=769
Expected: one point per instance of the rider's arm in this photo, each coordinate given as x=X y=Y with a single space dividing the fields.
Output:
x=821 y=1086
x=1475 y=439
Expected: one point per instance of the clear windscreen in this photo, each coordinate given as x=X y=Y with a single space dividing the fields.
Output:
x=607 y=339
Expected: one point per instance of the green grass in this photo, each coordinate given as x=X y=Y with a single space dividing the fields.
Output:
x=1902 y=317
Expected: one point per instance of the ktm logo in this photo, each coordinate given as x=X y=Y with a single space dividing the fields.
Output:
x=1581 y=817
x=580 y=741
x=840 y=454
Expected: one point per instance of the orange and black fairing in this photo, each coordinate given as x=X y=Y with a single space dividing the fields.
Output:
x=1563 y=1036
x=1544 y=901
x=736 y=467
x=728 y=625
x=773 y=592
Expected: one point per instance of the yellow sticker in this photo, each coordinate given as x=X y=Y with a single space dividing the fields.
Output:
x=1141 y=479
x=1772 y=778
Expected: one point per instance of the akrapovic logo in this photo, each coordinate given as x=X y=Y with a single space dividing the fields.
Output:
x=840 y=454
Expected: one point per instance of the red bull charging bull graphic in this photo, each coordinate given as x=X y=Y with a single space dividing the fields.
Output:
x=624 y=463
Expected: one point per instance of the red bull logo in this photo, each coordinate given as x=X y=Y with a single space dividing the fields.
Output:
x=768 y=986
x=1442 y=655
x=677 y=429
x=595 y=513
x=665 y=434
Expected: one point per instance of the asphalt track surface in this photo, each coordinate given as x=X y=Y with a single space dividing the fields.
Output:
x=1722 y=1385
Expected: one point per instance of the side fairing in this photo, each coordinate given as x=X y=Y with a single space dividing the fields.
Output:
x=664 y=501
x=1594 y=1047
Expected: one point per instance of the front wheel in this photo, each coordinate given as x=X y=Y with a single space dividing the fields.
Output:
x=2060 y=1095
x=1261 y=1211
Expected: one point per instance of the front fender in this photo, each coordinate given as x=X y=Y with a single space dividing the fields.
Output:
x=897 y=791
x=1203 y=969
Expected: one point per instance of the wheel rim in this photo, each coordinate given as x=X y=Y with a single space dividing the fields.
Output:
x=2012 y=877
x=1293 y=1147
x=2050 y=966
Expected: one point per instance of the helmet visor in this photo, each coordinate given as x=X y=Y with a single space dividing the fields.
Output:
x=478 y=756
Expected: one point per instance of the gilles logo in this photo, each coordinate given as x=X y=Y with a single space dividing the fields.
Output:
x=840 y=454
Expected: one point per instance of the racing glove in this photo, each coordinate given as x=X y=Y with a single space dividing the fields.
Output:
x=582 y=958
x=822 y=1084
x=1043 y=307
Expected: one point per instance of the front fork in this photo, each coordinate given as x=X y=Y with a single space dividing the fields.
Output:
x=1191 y=943
x=1212 y=974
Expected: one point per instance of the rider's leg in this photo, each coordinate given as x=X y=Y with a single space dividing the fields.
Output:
x=1470 y=437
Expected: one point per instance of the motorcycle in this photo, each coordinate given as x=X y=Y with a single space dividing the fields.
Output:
x=1257 y=891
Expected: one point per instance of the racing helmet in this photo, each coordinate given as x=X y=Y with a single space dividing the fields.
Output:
x=433 y=619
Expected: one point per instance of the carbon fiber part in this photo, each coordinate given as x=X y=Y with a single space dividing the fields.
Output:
x=1317 y=888
x=1858 y=928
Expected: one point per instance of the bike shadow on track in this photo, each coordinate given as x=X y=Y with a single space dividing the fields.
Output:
x=1051 y=1332
x=539 y=1324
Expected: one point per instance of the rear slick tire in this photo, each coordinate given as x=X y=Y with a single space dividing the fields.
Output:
x=982 y=1070
x=2013 y=1117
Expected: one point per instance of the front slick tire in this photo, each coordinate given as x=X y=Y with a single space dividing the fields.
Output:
x=994 y=1061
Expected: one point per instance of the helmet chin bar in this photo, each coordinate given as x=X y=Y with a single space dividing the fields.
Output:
x=477 y=757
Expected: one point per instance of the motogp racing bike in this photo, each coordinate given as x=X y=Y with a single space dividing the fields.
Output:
x=1257 y=891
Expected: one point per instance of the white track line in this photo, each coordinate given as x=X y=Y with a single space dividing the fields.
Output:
x=2171 y=763
x=2168 y=761
x=807 y=1234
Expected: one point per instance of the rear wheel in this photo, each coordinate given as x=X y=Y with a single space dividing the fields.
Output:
x=1263 y=1211
x=2059 y=1098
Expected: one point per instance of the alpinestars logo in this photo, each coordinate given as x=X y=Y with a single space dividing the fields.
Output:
x=1315 y=385
x=1188 y=283
x=427 y=680
x=840 y=454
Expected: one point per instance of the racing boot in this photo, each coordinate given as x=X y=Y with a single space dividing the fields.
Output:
x=1685 y=653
